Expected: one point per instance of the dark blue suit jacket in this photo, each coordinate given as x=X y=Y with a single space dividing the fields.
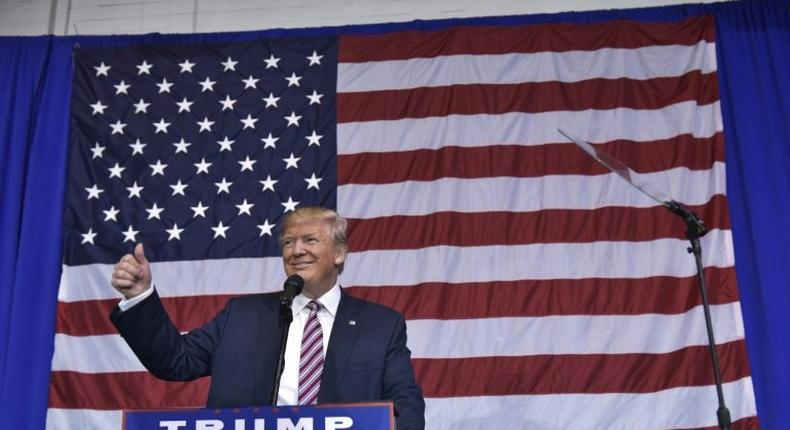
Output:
x=367 y=358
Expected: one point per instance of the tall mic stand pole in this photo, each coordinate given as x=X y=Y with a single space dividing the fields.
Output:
x=286 y=317
x=694 y=230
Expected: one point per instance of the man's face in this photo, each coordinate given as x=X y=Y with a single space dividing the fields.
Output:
x=309 y=251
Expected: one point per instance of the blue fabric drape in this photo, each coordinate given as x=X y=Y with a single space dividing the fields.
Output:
x=753 y=46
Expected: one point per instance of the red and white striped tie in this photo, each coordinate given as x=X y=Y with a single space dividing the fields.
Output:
x=311 y=363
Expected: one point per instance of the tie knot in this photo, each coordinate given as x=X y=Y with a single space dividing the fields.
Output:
x=314 y=306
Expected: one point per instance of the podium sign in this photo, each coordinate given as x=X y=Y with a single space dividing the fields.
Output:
x=358 y=416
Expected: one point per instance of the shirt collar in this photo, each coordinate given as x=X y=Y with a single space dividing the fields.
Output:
x=330 y=301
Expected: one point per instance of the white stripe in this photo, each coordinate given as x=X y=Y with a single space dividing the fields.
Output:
x=662 y=257
x=179 y=278
x=363 y=201
x=529 y=129
x=685 y=407
x=483 y=337
x=568 y=66
x=70 y=419
x=575 y=334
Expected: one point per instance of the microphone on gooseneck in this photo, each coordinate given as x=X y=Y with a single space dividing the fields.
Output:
x=292 y=287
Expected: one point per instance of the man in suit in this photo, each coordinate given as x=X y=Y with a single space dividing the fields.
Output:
x=353 y=350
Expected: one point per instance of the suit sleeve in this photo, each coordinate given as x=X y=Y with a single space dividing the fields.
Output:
x=162 y=349
x=399 y=382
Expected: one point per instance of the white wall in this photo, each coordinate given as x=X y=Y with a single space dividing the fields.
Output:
x=68 y=17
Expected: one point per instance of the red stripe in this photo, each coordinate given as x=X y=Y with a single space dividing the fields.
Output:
x=123 y=390
x=662 y=295
x=588 y=373
x=748 y=423
x=535 y=298
x=525 y=161
x=516 y=228
x=529 y=97
x=523 y=38
x=479 y=376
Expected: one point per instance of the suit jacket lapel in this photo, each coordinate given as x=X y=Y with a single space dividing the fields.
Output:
x=267 y=337
x=341 y=345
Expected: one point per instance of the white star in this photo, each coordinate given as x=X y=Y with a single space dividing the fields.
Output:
x=229 y=64
x=199 y=210
x=134 y=190
x=186 y=66
x=137 y=147
x=98 y=107
x=179 y=188
x=205 y=124
x=102 y=69
x=129 y=235
x=93 y=192
x=270 y=62
x=268 y=184
x=175 y=232
x=227 y=103
x=223 y=186
x=97 y=151
x=141 y=106
x=111 y=214
x=292 y=161
x=88 y=237
x=246 y=164
x=184 y=105
x=293 y=79
x=158 y=168
x=164 y=86
x=224 y=144
x=250 y=82
x=154 y=212
x=244 y=207
x=121 y=88
x=315 y=98
x=315 y=59
x=271 y=100
x=208 y=85
x=144 y=68
x=249 y=122
x=290 y=205
x=314 y=139
x=266 y=228
x=161 y=126
x=219 y=230
x=115 y=171
x=268 y=141
x=181 y=146
x=293 y=119
x=202 y=166
x=117 y=127
x=312 y=182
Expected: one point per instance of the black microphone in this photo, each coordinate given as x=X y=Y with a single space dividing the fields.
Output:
x=292 y=287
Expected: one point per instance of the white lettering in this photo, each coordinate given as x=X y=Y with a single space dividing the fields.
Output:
x=241 y=424
x=303 y=424
x=209 y=425
x=172 y=425
x=336 y=423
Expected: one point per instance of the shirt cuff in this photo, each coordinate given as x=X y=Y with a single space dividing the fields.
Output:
x=126 y=304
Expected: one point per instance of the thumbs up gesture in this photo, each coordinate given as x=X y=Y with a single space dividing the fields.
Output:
x=132 y=274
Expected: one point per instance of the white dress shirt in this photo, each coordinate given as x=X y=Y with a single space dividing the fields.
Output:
x=289 y=382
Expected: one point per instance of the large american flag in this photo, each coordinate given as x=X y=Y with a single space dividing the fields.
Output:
x=541 y=292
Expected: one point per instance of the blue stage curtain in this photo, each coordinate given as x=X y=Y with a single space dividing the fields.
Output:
x=753 y=46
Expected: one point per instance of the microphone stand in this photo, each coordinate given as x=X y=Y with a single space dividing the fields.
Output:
x=286 y=317
x=694 y=230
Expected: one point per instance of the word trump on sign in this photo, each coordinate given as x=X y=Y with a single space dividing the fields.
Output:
x=304 y=423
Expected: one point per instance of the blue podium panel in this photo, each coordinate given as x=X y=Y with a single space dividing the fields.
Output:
x=357 y=416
